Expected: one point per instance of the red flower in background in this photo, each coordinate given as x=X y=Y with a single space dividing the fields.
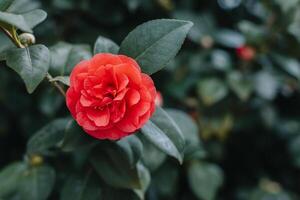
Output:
x=246 y=53
x=158 y=99
x=110 y=97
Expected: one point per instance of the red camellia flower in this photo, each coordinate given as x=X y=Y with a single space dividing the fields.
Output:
x=109 y=96
x=246 y=53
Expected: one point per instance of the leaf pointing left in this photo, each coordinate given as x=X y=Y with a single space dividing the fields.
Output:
x=30 y=63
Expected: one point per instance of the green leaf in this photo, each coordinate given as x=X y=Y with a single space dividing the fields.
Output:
x=30 y=63
x=133 y=148
x=105 y=45
x=48 y=137
x=9 y=178
x=4 y=4
x=212 y=90
x=205 y=179
x=65 y=56
x=63 y=79
x=164 y=133
x=81 y=188
x=75 y=137
x=166 y=180
x=37 y=183
x=34 y=17
x=15 y=20
x=242 y=86
x=152 y=157
x=114 y=167
x=154 y=43
x=145 y=179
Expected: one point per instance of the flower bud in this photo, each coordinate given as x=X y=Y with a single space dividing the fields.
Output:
x=27 y=39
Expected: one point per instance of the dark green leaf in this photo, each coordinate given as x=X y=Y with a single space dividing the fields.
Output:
x=65 y=56
x=145 y=180
x=81 y=188
x=105 y=45
x=154 y=43
x=205 y=179
x=152 y=156
x=15 y=20
x=75 y=137
x=113 y=166
x=4 y=4
x=34 y=17
x=164 y=133
x=37 y=183
x=48 y=137
x=133 y=148
x=9 y=178
x=30 y=63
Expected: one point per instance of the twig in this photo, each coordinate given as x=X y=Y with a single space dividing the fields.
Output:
x=55 y=84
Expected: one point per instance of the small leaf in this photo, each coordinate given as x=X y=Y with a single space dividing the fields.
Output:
x=34 y=17
x=37 y=183
x=113 y=166
x=105 y=45
x=205 y=179
x=154 y=43
x=47 y=137
x=9 y=178
x=15 y=20
x=81 y=188
x=212 y=90
x=63 y=79
x=4 y=4
x=30 y=63
x=164 y=133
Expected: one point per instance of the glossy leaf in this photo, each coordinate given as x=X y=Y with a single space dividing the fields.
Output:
x=154 y=43
x=15 y=20
x=37 y=183
x=30 y=63
x=81 y=188
x=205 y=179
x=34 y=17
x=65 y=56
x=4 y=4
x=164 y=133
x=10 y=177
x=114 y=167
x=48 y=137
x=105 y=45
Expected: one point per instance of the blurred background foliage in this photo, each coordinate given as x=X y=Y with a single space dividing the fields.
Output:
x=237 y=75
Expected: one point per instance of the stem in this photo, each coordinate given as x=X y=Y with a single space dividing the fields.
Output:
x=8 y=34
x=55 y=84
